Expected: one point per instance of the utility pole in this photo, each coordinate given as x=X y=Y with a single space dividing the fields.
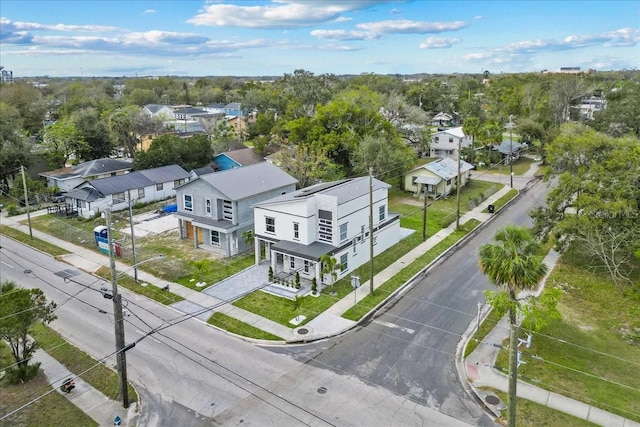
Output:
x=121 y=358
x=424 y=214
x=458 y=181
x=133 y=239
x=511 y=125
x=26 y=200
x=371 y=230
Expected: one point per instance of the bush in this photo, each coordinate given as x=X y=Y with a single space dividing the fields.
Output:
x=314 y=286
x=270 y=274
x=22 y=374
x=12 y=210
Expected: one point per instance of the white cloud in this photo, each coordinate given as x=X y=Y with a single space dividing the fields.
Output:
x=278 y=14
x=406 y=26
x=342 y=35
x=438 y=43
x=149 y=12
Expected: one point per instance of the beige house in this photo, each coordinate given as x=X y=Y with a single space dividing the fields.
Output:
x=439 y=177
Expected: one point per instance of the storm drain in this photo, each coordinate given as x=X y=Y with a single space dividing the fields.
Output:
x=322 y=390
x=302 y=331
x=492 y=400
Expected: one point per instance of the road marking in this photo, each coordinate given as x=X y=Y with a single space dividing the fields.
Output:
x=8 y=265
x=394 y=326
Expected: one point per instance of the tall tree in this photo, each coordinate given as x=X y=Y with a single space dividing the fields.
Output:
x=20 y=309
x=513 y=265
x=472 y=126
x=387 y=157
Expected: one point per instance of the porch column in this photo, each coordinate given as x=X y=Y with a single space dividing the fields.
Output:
x=195 y=235
x=256 y=250
x=318 y=269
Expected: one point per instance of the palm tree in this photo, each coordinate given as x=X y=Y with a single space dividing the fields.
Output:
x=471 y=126
x=512 y=265
x=331 y=266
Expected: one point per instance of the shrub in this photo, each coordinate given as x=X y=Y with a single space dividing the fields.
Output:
x=12 y=210
x=297 y=280
x=314 y=285
x=270 y=274
x=21 y=374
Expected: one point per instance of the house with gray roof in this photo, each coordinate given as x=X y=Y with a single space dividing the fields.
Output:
x=68 y=178
x=237 y=158
x=216 y=209
x=293 y=231
x=439 y=177
x=116 y=192
x=446 y=143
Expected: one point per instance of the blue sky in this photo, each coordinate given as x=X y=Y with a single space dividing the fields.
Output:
x=270 y=38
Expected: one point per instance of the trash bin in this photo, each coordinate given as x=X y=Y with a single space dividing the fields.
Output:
x=491 y=208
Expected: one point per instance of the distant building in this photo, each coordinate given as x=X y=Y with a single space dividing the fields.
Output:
x=6 y=76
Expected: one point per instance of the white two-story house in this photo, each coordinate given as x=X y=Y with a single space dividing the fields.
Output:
x=293 y=231
x=447 y=142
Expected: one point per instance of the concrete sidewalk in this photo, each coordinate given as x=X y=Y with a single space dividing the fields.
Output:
x=92 y=402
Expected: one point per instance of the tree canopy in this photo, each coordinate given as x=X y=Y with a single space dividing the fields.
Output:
x=188 y=153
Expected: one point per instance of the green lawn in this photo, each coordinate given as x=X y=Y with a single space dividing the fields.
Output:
x=520 y=166
x=600 y=366
x=151 y=291
x=531 y=414
x=98 y=374
x=238 y=327
x=33 y=242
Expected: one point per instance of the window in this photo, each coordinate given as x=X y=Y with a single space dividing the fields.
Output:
x=296 y=230
x=178 y=182
x=450 y=140
x=413 y=179
x=292 y=262
x=343 y=232
x=271 y=224
x=437 y=138
x=188 y=203
x=449 y=182
x=306 y=265
x=382 y=211
x=215 y=238
x=159 y=186
x=227 y=210
x=325 y=227
x=207 y=206
x=344 y=263
x=118 y=198
x=140 y=193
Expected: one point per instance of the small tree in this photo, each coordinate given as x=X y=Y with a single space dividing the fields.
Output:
x=270 y=274
x=314 y=286
x=202 y=268
x=20 y=309
x=330 y=266
x=297 y=280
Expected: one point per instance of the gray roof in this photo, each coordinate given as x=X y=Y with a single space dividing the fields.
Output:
x=240 y=183
x=203 y=170
x=92 y=168
x=87 y=194
x=430 y=180
x=138 y=179
x=312 y=252
x=344 y=190
x=244 y=156
x=506 y=146
x=447 y=168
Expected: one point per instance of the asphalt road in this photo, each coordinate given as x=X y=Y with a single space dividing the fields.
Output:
x=409 y=349
x=191 y=374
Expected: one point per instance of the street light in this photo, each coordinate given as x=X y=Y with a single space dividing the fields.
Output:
x=510 y=126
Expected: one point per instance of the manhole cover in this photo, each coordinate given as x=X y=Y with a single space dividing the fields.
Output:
x=303 y=331
x=322 y=390
x=492 y=400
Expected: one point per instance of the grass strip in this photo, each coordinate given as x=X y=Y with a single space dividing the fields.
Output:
x=34 y=243
x=503 y=200
x=531 y=414
x=150 y=291
x=478 y=336
x=99 y=376
x=370 y=301
x=238 y=327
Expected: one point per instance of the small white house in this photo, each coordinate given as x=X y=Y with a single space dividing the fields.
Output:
x=439 y=177
x=447 y=142
x=295 y=230
x=65 y=179
x=150 y=185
